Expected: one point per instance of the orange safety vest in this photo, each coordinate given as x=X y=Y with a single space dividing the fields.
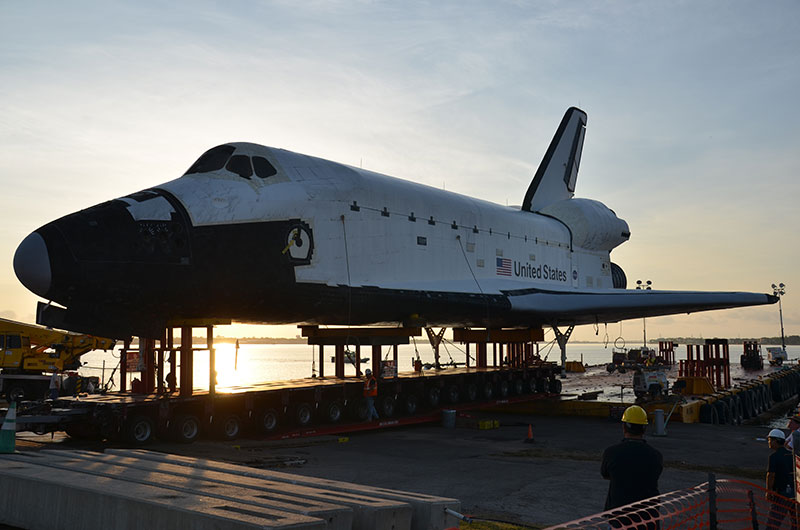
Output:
x=371 y=387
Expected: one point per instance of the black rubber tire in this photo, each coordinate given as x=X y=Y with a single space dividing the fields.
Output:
x=229 y=427
x=517 y=387
x=267 y=421
x=303 y=414
x=488 y=391
x=723 y=412
x=334 y=411
x=541 y=385
x=554 y=386
x=411 y=404
x=139 y=430
x=767 y=396
x=610 y=367
x=706 y=411
x=434 y=395
x=736 y=410
x=775 y=390
x=185 y=428
x=16 y=392
x=747 y=404
x=388 y=406
x=358 y=409
x=471 y=392
x=452 y=394
x=502 y=389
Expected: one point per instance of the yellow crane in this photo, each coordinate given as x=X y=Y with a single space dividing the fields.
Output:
x=28 y=350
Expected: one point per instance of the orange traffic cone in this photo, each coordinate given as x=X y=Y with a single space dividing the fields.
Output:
x=529 y=439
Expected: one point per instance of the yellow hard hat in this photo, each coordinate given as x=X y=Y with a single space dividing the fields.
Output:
x=635 y=414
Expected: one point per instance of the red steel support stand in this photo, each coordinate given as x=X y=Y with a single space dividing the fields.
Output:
x=147 y=348
x=123 y=367
x=187 y=379
x=212 y=361
x=339 y=361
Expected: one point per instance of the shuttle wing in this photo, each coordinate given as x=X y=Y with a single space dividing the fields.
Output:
x=612 y=305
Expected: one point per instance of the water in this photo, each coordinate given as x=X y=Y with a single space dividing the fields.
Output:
x=259 y=363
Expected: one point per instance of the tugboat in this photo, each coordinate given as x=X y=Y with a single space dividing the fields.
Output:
x=350 y=358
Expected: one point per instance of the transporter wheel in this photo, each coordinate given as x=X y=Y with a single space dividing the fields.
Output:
x=610 y=367
x=488 y=390
x=541 y=385
x=139 y=430
x=16 y=392
x=185 y=428
x=411 y=403
x=388 y=405
x=230 y=427
x=517 y=387
x=334 y=411
x=452 y=394
x=471 y=393
x=502 y=389
x=267 y=420
x=303 y=414
x=434 y=396
x=358 y=409
x=554 y=386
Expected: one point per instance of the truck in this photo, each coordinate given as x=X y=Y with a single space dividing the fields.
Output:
x=29 y=352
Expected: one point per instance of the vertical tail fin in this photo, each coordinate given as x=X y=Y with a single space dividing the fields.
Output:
x=556 y=176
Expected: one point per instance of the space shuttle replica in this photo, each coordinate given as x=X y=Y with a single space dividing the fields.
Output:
x=263 y=235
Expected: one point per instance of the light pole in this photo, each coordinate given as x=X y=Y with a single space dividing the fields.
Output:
x=780 y=290
x=646 y=286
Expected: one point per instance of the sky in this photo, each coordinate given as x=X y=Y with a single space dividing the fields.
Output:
x=691 y=137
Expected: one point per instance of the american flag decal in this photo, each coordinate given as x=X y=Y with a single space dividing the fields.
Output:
x=503 y=267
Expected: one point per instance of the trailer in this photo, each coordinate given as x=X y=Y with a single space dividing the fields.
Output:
x=182 y=414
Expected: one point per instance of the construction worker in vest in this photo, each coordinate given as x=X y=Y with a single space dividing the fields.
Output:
x=632 y=466
x=370 y=393
x=780 y=481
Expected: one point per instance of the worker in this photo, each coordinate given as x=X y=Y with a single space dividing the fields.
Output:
x=417 y=364
x=780 y=479
x=632 y=466
x=793 y=424
x=171 y=383
x=55 y=384
x=370 y=392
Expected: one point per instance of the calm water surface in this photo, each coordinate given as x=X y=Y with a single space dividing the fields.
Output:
x=259 y=363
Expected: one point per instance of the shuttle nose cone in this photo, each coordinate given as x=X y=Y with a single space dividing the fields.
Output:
x=32 y=264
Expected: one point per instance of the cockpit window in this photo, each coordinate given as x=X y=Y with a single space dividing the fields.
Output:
x=212 y=160
x=240 y=164
x=263 y=168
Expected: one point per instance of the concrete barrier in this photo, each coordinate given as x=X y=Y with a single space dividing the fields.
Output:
x=368 y=511
x=428 y=510
x=35 y=497
x=336 y=517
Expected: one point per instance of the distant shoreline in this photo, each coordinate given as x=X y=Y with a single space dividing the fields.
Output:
x=792 y=340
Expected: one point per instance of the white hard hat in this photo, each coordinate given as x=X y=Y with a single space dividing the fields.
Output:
x=369 y=372
x=777 y=434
